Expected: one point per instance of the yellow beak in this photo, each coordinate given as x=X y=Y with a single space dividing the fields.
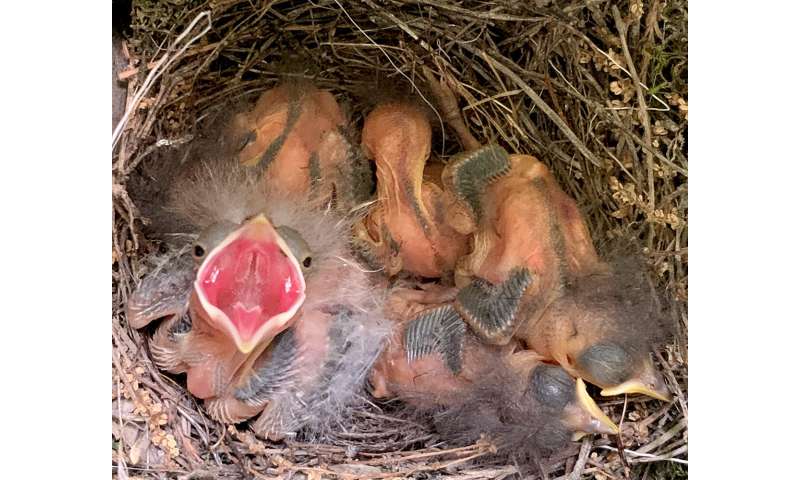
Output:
x=637 y=386
x=585 y=417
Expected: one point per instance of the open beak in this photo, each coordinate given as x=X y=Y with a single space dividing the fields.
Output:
x=648 y=383
x=583 y=415
x=250 y=286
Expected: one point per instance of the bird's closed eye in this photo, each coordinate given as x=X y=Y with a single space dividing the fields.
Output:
x=247 y=140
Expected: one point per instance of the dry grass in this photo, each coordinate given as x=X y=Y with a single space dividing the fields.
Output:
x=597 y=93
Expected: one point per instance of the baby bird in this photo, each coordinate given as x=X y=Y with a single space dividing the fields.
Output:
x=295 y=133
x=266 y=311
x=434 y=364
x=602 y=329
x=524 y=227
x=530 y=244
x=405 y=229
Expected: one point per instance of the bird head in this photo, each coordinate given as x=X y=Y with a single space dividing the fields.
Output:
x=618 y=370
x=583 y=416
x=250 y=280
x=617 y=326
x=555 y=391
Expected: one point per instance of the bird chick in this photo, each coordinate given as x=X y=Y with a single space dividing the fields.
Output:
x=295 y=133
x=265 y=307
x=434 y=364
x=530 y=248
x=530 y=242
x=602 y=329
x=524 y=228
x=405 y=229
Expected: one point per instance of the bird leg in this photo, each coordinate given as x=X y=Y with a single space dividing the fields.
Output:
x=448 y=107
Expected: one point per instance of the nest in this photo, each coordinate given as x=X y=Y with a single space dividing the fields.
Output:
x=596 y=91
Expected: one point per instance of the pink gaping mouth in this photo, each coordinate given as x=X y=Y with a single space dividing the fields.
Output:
x=251 y=285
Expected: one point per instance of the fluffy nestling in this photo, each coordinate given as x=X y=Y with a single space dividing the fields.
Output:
x=265 y=310
x=436 y=365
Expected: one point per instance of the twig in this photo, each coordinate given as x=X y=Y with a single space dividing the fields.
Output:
x=497 y=106
x=541 y=104
x=163 y=64
x=611 y=59
x=644 y=117
x=652 y=457
x=674 y=382
x=621 y=450
x=583 y=456
x=479 y=14
x=675 y=430
x=618 y=439
x=413 y=35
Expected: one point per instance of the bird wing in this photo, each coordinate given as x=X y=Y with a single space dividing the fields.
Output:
x=491 y=310
x=437 y=330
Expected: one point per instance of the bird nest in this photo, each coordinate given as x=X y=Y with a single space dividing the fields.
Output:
x=597 y=91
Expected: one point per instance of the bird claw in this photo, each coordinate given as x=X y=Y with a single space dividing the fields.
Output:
x=163 y=293
x=165 y=345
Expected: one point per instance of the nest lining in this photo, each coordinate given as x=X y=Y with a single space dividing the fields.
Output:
x=596 y=90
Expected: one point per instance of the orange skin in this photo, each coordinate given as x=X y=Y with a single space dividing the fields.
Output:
x=314 y=132
x=215 y=368
x=529 y=221
x=426 y=381
x=207 y=355
x=563 y=331
x=406 y=228
x=311 y=330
